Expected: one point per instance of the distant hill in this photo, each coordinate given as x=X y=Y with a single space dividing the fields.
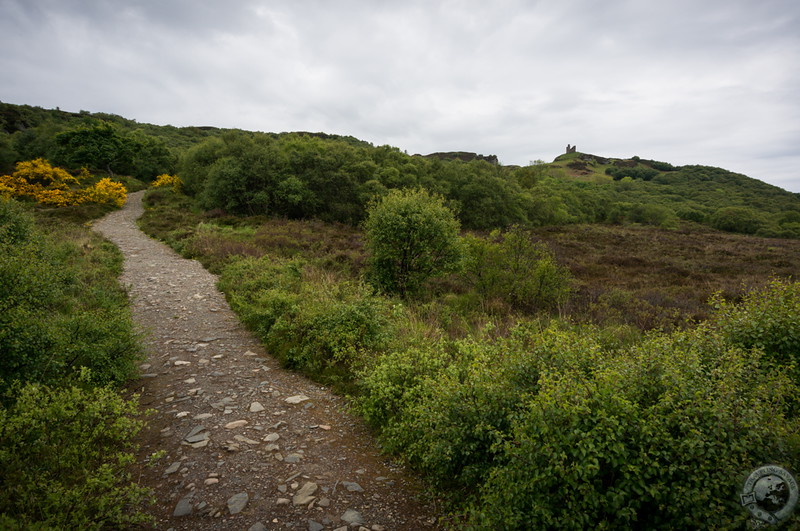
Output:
x=695 y=192
x=333 y=177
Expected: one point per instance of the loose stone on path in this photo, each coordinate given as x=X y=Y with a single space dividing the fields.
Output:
x=237 y=502
x=296 y=399
x=305 y=495
x=184 y=506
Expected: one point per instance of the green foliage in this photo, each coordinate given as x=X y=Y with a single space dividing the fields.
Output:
x=151 y=156
x=555 y=428
x=64 y=453
x=447 y=406
x=66 y=338
x=60 y=307
x=660 y=166
x=293 y=175
x=659 y=438
x=512 y=268
x=309 y=319
x=737 y=219
x=767 y=319
x=485 y=198
x=16 y=225
x=411 y=236
x=636 y=172
x=8 y=153
x=100 y=146
x=104 y=145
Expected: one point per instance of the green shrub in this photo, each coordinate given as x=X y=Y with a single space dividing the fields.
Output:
x=61 y=309
x=638 y=172
x=64 y=455
x=660 y=438
x=412 y=237
x=766 y=318
x=512 y=268
x=309 y=319
x=16 y=224
x=737 y=219
x=561 y=428
x=331 y=336
x=446 y=407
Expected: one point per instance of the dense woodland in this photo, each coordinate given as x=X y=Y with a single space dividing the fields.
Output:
x=621 y=332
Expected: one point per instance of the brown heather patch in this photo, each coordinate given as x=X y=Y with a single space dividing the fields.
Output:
x=335 y=244
x=650 y=277
x=338 y=246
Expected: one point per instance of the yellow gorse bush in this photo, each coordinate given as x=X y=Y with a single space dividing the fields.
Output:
x=39 y=171
x=54 y=186
x=106 y=191
x=164 y=180
x=13 y=186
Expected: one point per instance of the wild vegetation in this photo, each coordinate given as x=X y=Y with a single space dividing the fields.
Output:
x=334 y=178
x=626 y=386
x=587 y=343
x=67 y=345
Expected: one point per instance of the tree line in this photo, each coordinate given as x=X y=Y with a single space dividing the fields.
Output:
x=334 y=178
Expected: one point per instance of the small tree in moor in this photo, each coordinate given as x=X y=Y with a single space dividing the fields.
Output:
x=411 y=236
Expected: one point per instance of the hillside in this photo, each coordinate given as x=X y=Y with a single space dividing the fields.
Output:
x=330 y=177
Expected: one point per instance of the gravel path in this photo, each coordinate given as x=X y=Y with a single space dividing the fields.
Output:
x=247 y=445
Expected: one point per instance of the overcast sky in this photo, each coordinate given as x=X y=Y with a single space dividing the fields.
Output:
x=684 y=81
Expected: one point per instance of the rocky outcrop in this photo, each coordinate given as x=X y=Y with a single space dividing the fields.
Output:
x=466 y=156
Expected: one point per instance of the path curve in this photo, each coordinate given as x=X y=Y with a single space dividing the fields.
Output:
x=240 y=453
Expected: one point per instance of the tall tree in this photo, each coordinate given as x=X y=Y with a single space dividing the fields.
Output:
x=99 y=146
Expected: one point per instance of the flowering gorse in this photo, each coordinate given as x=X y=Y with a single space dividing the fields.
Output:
x=106 y=191
x=54 y=186
x=164 y=180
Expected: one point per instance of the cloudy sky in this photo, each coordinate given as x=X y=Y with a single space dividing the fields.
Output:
x=684 y=81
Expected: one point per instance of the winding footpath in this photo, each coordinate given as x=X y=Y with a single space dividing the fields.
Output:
x=236 y=441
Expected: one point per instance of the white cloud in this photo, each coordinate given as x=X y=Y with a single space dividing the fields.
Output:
x=687 y=82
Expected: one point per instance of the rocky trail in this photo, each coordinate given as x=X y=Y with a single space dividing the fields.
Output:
x=244 y=444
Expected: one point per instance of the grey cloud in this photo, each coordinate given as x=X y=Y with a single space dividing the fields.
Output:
x=712 y=82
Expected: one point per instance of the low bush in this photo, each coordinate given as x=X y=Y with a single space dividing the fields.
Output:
x=309 y=319
x=660 y=438
x=511 y=267
x=768 y=319
x=64 y=453
x=555 y=428
x=737 y=219
x=446 y=407
x=16 y=224
x=67 y=341
x=61 y=308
